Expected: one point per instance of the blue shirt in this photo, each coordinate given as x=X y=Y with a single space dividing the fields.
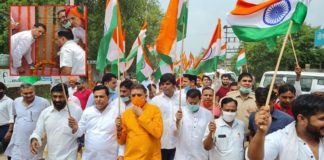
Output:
x=279 y=121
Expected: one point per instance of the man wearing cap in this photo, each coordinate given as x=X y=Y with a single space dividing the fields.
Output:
x=77 y=15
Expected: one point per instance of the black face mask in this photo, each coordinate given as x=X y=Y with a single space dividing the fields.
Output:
x=59 y=105
x=1 y=95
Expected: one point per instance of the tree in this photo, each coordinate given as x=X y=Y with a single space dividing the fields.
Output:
x=261 y=59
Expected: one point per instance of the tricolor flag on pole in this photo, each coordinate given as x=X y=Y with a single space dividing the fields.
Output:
x=162 y=69
x=208 y=61
x=255 y=22
x=182 y=19
x=137 y=47
x=109 y=49
x=241 y=60
x=166 y=41
x=223 y=52
x=143 y=66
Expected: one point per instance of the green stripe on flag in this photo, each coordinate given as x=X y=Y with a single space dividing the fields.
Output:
x=102 y=60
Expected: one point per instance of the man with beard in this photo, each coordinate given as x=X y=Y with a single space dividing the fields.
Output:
x=21 y=46
x=302 y=139
x=53 y=122
x=225 y=88
x=286 y=95
x=27 y=109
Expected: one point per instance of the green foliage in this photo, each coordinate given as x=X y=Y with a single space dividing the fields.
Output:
x=261 y=59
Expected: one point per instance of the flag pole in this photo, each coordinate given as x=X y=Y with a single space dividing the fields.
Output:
x=65 y=97
x=181 y=67
x=118 y=69
x=278 y=64
x=294 y=51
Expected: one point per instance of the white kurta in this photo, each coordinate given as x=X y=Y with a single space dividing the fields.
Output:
x=21 y=46
x=190 y=135
x=168 y=107
x=6 y=109
x=25 y=123
x=100 y=133
x=285 y=144
x=61 y=143
x=228 y=141
x=72 y=55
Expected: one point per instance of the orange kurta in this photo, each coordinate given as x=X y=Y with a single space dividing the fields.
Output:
x=142 y=134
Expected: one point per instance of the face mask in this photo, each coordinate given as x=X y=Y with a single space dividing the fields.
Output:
x=67 y=24
x=186 y=89
x=228 y=116
x=193 y=108
x=138 y=101
x=112 y=91
x=207 y=104
x=124 y=99
x=245 y=90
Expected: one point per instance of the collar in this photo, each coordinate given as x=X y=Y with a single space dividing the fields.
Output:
x=175 y=94
x=4 y=98
x=238 y=94
x=68 y=42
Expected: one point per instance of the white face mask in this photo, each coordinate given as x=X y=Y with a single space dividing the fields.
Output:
x=228 y=116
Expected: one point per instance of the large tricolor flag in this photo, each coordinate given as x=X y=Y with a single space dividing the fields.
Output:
x=254 y=22
x=137 y=48
x=208 y=61
x=222 y=56
x=241 y=60
x=166 y=41
x=112 y=44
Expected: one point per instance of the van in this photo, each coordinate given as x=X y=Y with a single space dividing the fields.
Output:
x=308 y=80
x=221 y=72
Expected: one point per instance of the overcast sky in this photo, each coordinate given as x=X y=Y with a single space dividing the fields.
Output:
x=203 y=15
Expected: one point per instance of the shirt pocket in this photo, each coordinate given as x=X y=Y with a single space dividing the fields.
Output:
x=221 y=142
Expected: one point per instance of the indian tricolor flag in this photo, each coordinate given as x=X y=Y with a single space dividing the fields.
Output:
x=143 y=66
x=222 y=56
x=137 y=47
x=166 y=41
x=254 y=22
x=241 y=60
x=162 y=69
x=112 y=44
x=208 y=61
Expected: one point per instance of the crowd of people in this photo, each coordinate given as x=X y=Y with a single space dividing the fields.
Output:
x=173 y=119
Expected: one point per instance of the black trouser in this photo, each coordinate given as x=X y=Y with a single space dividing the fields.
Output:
x=168 y=154
x=4 y=144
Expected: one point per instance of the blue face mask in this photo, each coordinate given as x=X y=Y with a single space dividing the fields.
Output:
x=125 y=99
x=186 y=89
x=245 y=90
x=67 y=25
x=112 y=91
x=193 y=107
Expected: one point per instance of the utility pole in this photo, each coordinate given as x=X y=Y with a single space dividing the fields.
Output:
x=233 y=43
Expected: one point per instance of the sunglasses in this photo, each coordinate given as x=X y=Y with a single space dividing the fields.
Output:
x=138 y=95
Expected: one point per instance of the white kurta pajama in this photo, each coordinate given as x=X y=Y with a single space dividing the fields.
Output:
x=190 y=134
x=168 y=107
x=25 y=123
x=100 y=133
x=61 y=143
x=21 y=46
